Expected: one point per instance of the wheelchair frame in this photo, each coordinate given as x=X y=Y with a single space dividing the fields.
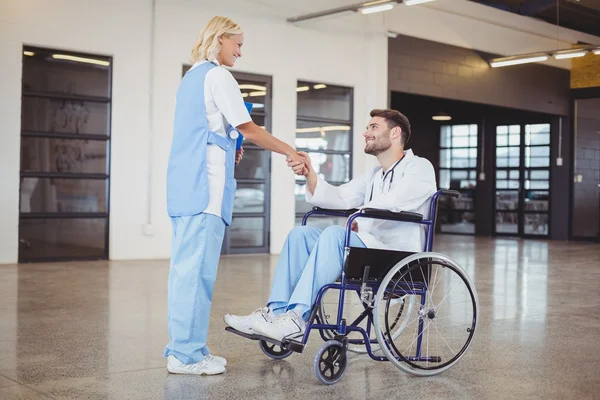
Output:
x=341 y=328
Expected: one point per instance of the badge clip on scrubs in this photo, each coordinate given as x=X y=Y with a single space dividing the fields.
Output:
x=235 y=134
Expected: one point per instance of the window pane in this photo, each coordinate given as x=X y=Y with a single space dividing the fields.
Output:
x=444 y=179
x=252 y=166
x=514 y=174
x=331 y=167
x=537 y=151
x=249 y=198
x=322 y=136
x=446 y=136
x=502 y=184
x=513 y=162
x=445 y=158
x=536 y=200
x=513 y=184
x=507 y=200
x=502 y=162
x=538 y=174
x=537 y=162
x=63 y=155
x=501 y=174
x=64 y=116
x=460 y=175
x=246 y=232
x=514 y=129
x=460 y=130
x=514 y=139
x=474 y=140
x=537 y=184
x=53 y=238
x=506 y=222
x=502 y=129
x=460 y=141
x=514 y=152
x=42 y=73
x=536 y=224
x=302 y=207
x=501 y=140
x=254 y=92
x=46 y=195
x=331 y=102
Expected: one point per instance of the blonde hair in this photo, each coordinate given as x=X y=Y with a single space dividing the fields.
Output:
x=207 y=46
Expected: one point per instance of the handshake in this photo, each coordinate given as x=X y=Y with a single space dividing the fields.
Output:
x=300 y=163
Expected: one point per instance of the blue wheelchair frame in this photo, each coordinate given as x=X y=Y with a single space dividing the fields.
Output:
x=341 y=328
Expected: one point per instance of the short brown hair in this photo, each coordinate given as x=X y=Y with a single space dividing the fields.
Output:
x=393 y=119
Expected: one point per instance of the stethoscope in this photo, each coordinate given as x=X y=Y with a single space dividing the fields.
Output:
x=391 y=173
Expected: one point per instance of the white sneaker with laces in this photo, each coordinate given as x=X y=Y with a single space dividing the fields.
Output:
x=216 y=359
x=288 y=325
x=245 y=323
x=204 y=367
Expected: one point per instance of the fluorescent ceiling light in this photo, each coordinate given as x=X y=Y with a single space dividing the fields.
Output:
x=323 y=129
x=258 y=105
x=377 y=8
x=255 y=94
x=503 y=62
x=441 y=117
x=80 y=59
x=252 y=87
x=413 y=2
x=320 y=86
x=28 y=53
x=244 y=94
x=302 y=88
x=391 y=34
x=569 y=54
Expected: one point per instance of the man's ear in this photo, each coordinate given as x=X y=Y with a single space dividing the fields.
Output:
x=396 y=132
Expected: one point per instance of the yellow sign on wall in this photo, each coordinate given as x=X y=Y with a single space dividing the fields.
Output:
x=585 y=71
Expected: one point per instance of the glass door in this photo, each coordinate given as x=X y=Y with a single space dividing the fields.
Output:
x=65 y=152
x=522 y=180
x=250 y=227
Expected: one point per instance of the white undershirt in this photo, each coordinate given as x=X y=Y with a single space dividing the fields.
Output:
x=224 y=103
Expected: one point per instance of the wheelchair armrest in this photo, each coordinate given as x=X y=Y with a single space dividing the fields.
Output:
x=451 y=193
x=328 y=210
x=396 y=216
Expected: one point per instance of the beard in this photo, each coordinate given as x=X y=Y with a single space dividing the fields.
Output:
x=378 y=146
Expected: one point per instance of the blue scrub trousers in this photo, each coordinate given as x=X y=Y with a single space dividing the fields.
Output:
x=310 y=259
x=196 y=248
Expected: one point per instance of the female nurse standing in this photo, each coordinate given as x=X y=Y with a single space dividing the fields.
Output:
x=201 y=187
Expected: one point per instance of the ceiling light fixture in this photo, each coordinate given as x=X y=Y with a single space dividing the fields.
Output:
x=560 y=55
x=503 y=62
x=80 y=59
x=302 y=89
x=415 y=2
x=368 y=7
x=251 y=87
x=442 y=116
x=28 y=53
x=320 y=86
x=376 y=8
x=257 y=94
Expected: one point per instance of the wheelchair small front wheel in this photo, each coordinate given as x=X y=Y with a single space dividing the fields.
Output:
x=330 y=362
x=274 y=351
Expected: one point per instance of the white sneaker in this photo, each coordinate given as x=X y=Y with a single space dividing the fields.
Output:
x=245 y=323
x=204 y=367
x=286 y=326
x=216 y=359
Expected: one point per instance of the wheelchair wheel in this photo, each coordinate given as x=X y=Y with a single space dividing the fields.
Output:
x=274 y=351
x=353 y=308
x=330 y=362
x=440 y=328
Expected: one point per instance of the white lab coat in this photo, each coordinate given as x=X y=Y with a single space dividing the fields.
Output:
x=411 y=189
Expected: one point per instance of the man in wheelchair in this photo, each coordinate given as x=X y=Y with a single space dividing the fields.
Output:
x=312 y=258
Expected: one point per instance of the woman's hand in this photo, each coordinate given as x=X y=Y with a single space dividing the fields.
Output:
x=238 y=155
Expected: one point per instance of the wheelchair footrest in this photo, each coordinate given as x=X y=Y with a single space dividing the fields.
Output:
x=287 y=344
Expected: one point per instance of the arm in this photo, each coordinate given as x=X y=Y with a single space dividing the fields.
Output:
x=229 y=100
x=264 y=139
x=322 y=194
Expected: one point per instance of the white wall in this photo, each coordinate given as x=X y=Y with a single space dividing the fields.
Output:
x=122 y=30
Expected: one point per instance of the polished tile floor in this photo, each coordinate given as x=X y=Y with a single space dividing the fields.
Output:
x=96 y=330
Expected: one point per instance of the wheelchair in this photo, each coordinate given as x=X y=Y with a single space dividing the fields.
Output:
x=388 y=306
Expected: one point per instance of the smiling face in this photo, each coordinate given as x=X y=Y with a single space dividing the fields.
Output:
x=231 y=49
x=378 y=137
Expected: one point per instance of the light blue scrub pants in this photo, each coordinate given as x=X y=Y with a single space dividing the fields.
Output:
x=196 y=248
x=310 y=259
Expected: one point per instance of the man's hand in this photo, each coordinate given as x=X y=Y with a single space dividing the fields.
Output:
x=354 y=226
x=301 y=165
x=238 y=155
